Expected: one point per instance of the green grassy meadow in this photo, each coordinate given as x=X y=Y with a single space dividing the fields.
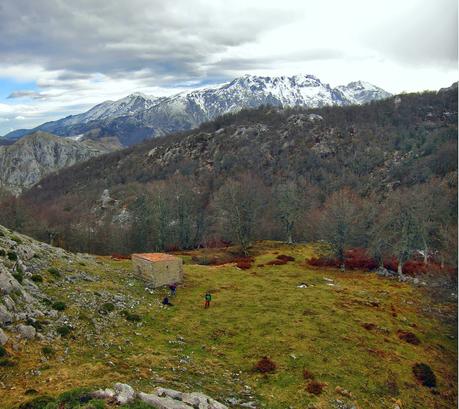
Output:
x=254 y=313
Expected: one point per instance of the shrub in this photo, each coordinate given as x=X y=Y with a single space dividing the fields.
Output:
x=63 y=330
x=16 y=239
x=315 y=387
x=59 y=306
x=40 y=402
x=37 y=278
x=19 y=276
x=424 y=374
x=12 y=256
x=307 y=374
x=2 y=351
x=408 y=337
x=74 y=398
x=5 y=362
x=265 y=365
x=107 y=307
x=131 y=316
x=54 y=271
x=34 y=323
x=47 y=350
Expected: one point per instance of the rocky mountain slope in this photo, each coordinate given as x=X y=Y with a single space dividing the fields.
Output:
x=25 y=162
x=329 y=146
x=137 y=116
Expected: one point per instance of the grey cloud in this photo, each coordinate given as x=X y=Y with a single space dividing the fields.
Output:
x=426 y=34
x=25 y=94
x=168 y=39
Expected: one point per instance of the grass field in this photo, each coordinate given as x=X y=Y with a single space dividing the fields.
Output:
x=343 y=328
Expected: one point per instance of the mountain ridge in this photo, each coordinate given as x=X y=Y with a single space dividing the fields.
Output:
x=137 y=116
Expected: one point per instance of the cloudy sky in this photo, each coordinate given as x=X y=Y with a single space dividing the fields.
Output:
x=59 y=57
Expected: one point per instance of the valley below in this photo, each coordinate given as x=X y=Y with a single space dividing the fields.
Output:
x=331 y=339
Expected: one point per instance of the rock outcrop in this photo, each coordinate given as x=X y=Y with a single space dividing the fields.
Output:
x=22 y=303
x=25 y=162
x=160 y=398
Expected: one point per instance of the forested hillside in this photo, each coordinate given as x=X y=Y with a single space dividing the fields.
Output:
x=381 y=176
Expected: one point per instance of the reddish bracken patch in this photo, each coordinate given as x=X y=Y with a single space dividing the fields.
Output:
x=424 y=375
x=408 y=337
x=285 y=258
x=369 y=326
x=307 y=374
x=244 y=264
x=265 y=365
x=276 y=262
x=358 y=259
x=118 y=256
x=315 y=387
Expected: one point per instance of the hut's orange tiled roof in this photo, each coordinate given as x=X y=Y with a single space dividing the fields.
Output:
x=155 y=256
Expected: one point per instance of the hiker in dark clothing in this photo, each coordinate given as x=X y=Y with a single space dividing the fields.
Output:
x=166 y=302
x=173 y=289
x=208 y=298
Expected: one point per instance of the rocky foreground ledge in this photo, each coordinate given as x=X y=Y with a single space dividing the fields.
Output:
x=161 y=398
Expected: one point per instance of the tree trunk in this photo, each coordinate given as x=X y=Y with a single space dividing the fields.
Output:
x=400 y=267
x=426 y=255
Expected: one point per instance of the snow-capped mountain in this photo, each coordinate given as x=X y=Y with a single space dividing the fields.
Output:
x=138 y=116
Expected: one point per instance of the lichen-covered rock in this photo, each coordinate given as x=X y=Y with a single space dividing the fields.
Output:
x=124 y=393
x=3 y=337
x=171 y=393
x=5 y=316
x=201 y=401
x=26 y=331
x=103 y=394
x=163 y=402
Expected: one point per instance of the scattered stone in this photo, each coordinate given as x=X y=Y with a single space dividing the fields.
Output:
x=343 y=392
x=103 y=394
x=171 y=393
x=162 y=403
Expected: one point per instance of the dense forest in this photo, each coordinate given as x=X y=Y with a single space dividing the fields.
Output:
x=382 y=176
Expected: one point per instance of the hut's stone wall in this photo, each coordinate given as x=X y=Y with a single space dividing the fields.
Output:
x=158 y=269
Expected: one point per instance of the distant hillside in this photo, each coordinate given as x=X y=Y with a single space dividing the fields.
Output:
x=25 y=162
x=138 y=116
x=407 y=143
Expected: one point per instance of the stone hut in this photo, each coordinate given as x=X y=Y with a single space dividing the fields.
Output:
x=158 y=269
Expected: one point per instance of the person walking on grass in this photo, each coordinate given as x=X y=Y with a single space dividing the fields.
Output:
x=166 y=302
x=208 y=298
x=173 y=289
